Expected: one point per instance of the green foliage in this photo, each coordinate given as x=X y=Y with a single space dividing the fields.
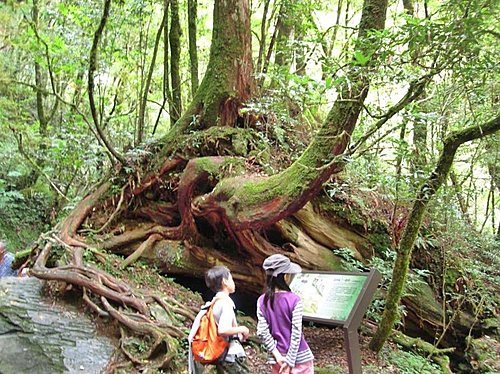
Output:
x=330 y=369
x=411 y=363
x=471 y=278
x=21 y=219
x=384 y=264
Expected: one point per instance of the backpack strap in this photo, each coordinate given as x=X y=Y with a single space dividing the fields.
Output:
x=212 y=303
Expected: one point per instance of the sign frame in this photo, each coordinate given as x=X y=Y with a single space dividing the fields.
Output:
x=351 y=324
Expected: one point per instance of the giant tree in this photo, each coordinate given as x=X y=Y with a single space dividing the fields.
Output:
x=201 y=195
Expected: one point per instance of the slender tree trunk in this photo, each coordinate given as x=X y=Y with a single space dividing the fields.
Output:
x=263 y=32
x=419 y=159
x=193 y=51
x=141 y=66
x=283 y=54
x=399 y=168
x=267 y=60
x=42 y=119
x=175 y=58
x=494 y=171
x=427 y=191
x=92 y=69
x=460 y=198
x=327 y=46
x=347 y=18
x=487 y=212
x=40 y=85
x=147 y=84
x=335 y=28
x=167 y=93
x=300 y=49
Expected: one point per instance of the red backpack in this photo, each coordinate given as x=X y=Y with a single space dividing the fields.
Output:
x=208 y=346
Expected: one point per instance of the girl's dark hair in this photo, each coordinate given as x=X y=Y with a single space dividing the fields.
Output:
x=214 y=277
x=272 y=283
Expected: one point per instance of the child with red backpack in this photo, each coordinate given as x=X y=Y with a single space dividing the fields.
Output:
x=215 y=335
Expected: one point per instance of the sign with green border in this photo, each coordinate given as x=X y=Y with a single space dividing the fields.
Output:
x=328 y=295
x=338 y=299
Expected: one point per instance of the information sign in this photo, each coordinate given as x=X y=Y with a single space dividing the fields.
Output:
x=339 y=299
x=328 y=295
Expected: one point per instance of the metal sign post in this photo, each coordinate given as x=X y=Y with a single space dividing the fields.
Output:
x=338 y=299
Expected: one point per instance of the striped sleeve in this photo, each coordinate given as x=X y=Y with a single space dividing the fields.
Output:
x=291 y=356
x=263 y=331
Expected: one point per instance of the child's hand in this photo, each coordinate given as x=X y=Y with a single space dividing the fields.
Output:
x=284 y=369
x=278 y=357
x=244 y=333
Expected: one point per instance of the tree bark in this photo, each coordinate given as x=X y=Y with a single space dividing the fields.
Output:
x=167 y=93
x=193 y=51
x=228 y=81
x=147 y=84
x=282 y=56
x=175 y=58
x=263 y=32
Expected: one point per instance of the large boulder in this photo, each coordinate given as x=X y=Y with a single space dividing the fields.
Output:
x=38 y=336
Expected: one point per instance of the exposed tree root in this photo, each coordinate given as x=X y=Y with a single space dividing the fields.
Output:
x=166 y=214
x=139 y=251
x=71 y=224
x=113 y=215
x=127 y=238
x=134 y=307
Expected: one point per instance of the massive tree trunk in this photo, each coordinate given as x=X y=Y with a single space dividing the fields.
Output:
x=228 y=81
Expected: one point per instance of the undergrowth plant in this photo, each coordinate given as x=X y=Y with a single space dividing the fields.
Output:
x=22 y=218
x=411 y=363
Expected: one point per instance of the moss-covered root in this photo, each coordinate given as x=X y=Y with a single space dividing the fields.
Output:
x=438 y=355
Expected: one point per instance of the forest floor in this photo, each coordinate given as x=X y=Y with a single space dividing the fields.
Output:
x=330 y=356
x=326 y=343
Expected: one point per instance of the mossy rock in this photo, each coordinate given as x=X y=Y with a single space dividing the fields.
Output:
x=483 y=354
x=37 y=336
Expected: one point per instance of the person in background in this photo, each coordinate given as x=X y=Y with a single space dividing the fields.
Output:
x=6 y=259
x=220 y=280
x=279 y=314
